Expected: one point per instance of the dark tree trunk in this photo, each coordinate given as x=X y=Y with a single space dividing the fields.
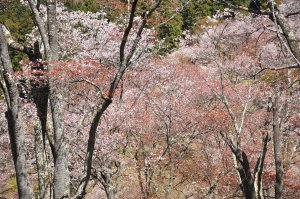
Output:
x=277 y=142
x=42 y=164
x=244 y=170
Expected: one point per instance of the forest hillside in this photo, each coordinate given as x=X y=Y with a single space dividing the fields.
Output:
x=150 y=99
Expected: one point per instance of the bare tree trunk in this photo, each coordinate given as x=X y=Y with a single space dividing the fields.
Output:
x=258 y=170
x=170 y=155
x=109 y=171
x=251 y=185
x=244 y=170
x=61 y=171
x=15 y=120
x=41 y=163
x=277 y=142
x=247 y=181
x=287 y=31
x=105 y=101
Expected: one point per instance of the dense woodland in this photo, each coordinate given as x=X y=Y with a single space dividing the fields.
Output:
x=149 y=99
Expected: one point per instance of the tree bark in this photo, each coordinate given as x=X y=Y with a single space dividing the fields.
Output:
x=287 y=31
x=277 y=142
x=41 y=163
x=15 y=120
x=244 y=170
x=61 y=172
x=103 y=105
x=258 y=170
x=248 y=182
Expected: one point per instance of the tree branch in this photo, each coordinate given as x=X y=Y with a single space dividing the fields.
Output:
x=146 y=15
x=295 y=66
x=292 y=14
x=258 y=170
x=127 y=31
x=41 y=26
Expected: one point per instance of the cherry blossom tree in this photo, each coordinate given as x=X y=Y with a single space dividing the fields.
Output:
x=237 y=58
x=54 y=88
x=198 y=123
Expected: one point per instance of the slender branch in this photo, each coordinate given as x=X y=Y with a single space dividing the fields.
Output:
x=89 y=82
x=19 y=47
x=295 y=66
x=41 y=25
x=146 y=15
x=292 y=14
x=226 y=103
x=127 y=31
x=244 y=110
x=174 y=15
x=123 y=66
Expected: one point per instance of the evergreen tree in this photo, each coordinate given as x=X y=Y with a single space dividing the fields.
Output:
x=171 y=28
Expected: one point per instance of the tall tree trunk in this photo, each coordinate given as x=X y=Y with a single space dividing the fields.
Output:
x=40 y=96
x=61 y=172
x=277 y=142
x=258 y=170
x=41 y=163
x=287 y=31
x=247 y=182
x=15 y=120
x=103 y=105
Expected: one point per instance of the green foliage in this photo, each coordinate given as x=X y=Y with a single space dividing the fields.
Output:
x=171 y=27
x=260 y=4
x=19 y=20
x=16 y=57
x=113 y=9
x=172 y=17
x=197 y=10
x=192 y=13
x=170 y=32
x=85 y=6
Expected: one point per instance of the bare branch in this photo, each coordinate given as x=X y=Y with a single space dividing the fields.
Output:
x=226 y=103
x=127 y=31
x=123 y=66
x=292 y=14
x=295 y=66
x=281 y=22
x=40 y=24
x=146 y=15
x=89 y=82
x=244 y=110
